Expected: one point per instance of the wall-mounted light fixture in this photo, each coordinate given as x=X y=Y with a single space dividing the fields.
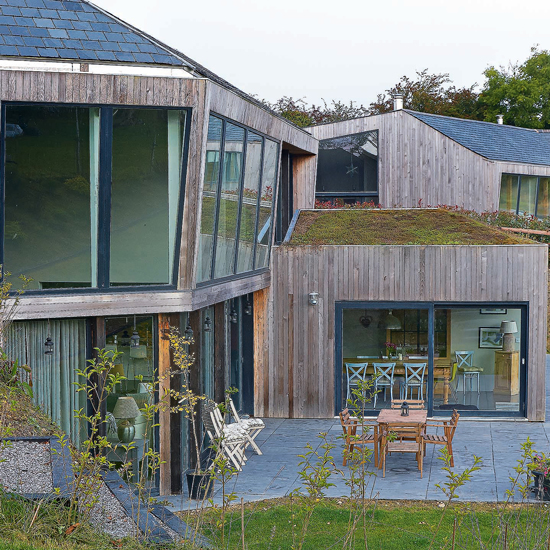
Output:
x=313 y=298
x=134 y=340
x=188 y=333
x=207 y=325
x=233 y=316
x=48 y=344
x=248 y=308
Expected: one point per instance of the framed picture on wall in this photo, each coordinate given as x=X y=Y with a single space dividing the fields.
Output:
x=490 y=337
x=493 y=311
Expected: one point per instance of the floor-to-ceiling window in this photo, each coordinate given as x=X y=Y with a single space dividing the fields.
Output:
x=473 y=356
x=525 y=195
x=92 y=195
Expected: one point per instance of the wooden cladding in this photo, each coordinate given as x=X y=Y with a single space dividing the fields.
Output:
x=299 y=380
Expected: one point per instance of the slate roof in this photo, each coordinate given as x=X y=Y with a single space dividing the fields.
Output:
x=75 y=30
x=493 y=141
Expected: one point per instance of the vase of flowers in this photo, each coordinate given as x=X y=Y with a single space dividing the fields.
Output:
x=391 y=349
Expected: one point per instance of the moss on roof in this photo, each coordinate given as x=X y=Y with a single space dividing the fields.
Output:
x=396 y=227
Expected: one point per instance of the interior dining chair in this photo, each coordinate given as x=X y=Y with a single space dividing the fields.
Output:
x=414 y=378
x=465 y=366
x=356 y=372
x=383 y=379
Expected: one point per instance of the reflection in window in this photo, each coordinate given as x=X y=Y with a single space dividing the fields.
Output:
x=348 y=165
x=247 y=226
x=229 y=201
x=210 y=190
x=509 y=193
x=51 y=190
x=543 y=202
x=146 y=179
x=527 y=195
x=265 y=218
x=237 y=201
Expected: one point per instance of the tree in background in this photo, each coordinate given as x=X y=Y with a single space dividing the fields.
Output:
x=430 y=93
x=520 y=92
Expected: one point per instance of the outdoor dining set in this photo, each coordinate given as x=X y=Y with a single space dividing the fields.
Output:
x=401 y=429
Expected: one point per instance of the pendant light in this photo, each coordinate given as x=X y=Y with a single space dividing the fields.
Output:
x=392 y=322
x=134 y=340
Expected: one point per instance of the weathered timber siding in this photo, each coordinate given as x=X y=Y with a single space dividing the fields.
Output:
x=300 y=378
x=416 y=162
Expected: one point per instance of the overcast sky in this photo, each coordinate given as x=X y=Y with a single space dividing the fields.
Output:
x=344 y=50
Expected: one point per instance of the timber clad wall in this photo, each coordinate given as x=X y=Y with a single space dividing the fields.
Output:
x=301 y=360
x=418 y=162
x=201 y=96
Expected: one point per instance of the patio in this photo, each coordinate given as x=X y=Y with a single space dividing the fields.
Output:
x=276 y=473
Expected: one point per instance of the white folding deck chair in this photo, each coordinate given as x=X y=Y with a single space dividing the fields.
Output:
x=252 y=426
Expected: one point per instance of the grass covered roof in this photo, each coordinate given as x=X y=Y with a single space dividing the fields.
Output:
x=396 y=227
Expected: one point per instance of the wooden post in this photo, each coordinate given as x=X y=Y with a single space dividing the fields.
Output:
x=164 y=413
x=261 y=353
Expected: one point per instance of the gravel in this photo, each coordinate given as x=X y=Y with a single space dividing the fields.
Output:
x=25 y=467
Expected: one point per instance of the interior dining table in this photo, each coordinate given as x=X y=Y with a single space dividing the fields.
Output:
x=416 y=417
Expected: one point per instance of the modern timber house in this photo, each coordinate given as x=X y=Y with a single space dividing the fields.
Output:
x=141 y=191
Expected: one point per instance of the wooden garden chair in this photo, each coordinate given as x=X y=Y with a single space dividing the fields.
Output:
x=408 y=440
x=231 y=438
x=412 y=403
x=349 y=427
x=252 y=426
x=449 y=429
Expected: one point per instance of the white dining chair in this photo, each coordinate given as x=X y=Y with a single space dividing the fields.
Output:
x=414 y=378
x=383 y=379
x=356 y=372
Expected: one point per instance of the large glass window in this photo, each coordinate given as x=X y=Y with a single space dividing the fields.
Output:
x=237 y=202
x=527 y=195
x=348 y=167
x=51 y=193
x=70 y=196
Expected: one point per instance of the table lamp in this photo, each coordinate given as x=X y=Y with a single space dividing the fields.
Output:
x=508 y=329
x=127 y=410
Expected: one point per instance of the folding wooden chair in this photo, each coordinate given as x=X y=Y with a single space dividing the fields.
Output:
x=449 y=429
x=349 y=427
x=252 y=426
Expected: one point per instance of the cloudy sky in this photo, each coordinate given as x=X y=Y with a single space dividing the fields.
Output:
x=344 y=50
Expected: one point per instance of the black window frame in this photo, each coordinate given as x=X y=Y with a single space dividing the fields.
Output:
x=212 y=280
x=104 y=195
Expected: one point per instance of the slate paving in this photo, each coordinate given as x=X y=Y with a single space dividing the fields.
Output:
x=276 y=473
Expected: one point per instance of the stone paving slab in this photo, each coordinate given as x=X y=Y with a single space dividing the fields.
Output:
x=498 y=442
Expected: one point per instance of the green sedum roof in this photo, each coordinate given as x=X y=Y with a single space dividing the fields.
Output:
x=395 y=227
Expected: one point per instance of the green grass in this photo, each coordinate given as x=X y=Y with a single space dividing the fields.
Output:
x=396 y=227
x=391 y=525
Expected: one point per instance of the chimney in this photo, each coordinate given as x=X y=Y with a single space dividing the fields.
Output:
x=397 y=102
x=500 y=119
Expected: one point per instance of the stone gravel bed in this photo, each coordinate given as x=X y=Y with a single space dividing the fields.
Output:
x=25 y=467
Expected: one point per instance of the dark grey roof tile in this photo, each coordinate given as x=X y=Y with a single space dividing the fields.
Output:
x=10 y=10
x=40 y=32
x=86 y=16
x=161 y=58
x=75 y=6
x=20 y=31
x=4 y=29
x=35 y=4
x=82 y=25
x=114 y=36
x=14 y=40
x=58 y=33
x=18 y=3
x=147 y=48
x=43 y=22
x=67 y=54
x=111 y=46
x=7 y=20
x=124 y=56
x=143 y=57
x=54 y=4
x=53 y=43
x=117 y=27
x=30 y=12
x=8 y=50
x=96 y=35
x=72 y=44
x=100 y=26
x=1 y=39
x=69 y=15
x=62 y=24
x=81 y=35
x=106 y=56
x=84 y=54
x=51 y=14
x=91 y=45
x=48 y=52
x=33 y=41
x=25 y=21
x=128 y=47
x=103 y=18
x=493 y=141
x=28 y=51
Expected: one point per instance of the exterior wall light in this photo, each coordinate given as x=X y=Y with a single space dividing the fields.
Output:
x=233 y=316
x=48 y=346
x=188 y=333
x=207 y=325
x=248 y=308
x=313 y=298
